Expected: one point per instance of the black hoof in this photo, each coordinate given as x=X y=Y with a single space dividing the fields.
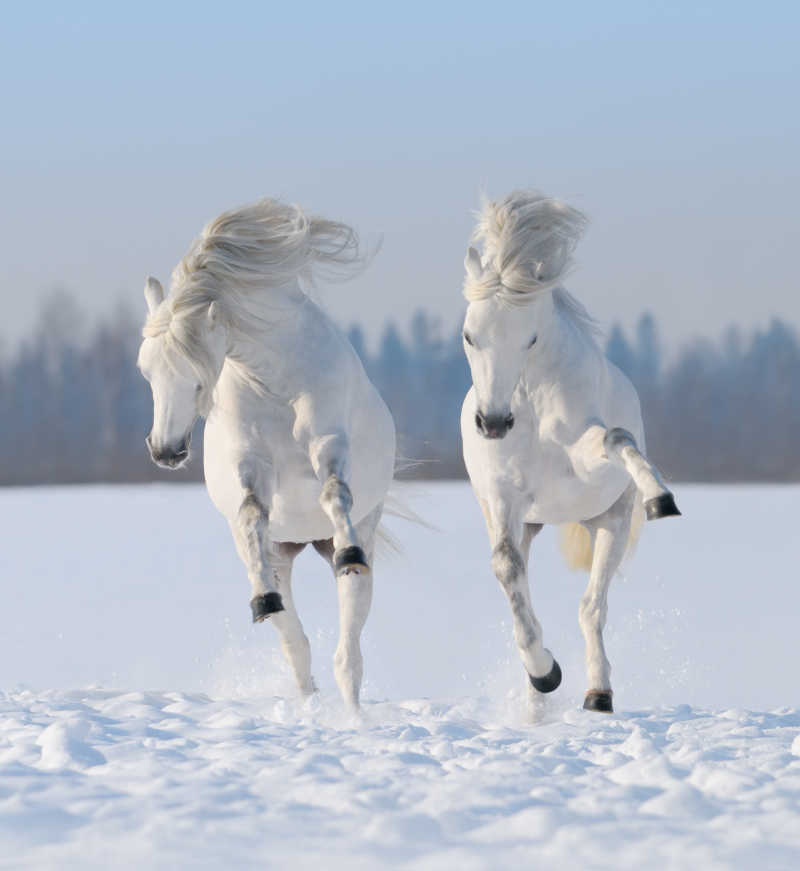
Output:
x=662 y=506
x=598 y=700
x=549 y=682
x=263 y=606
x=350 y=559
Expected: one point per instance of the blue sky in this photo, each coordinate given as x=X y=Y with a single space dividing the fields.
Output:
x=674 y=125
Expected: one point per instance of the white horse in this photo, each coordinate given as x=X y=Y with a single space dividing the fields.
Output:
x=552 y=430
x=299 y=446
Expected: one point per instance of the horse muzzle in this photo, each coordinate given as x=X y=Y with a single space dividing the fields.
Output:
x=494 y=426
x=168 y=456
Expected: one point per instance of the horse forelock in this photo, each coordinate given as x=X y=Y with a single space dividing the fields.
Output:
x=491 y=284
x=528 y=240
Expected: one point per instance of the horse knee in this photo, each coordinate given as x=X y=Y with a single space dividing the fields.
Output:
x=252 y=512
x=617 y=438
x=335 y=488
x=507 y=563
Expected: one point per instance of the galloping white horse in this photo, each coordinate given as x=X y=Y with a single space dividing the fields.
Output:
x=552 y=430
x=299 y=446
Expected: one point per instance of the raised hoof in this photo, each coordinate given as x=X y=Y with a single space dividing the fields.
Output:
x=350 y=560
x=263 y=606
x=550 y=681
x=661 y=506
x=599 y=701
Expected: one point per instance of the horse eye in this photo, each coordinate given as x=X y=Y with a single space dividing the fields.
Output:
x=533 y=341
x=198 y=389
x=468 y=339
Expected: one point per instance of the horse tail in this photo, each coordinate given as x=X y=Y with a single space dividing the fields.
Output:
x=576 y=543
x=637 y=522
x=576 y=546
x=394 y=506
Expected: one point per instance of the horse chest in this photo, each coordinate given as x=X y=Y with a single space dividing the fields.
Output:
x=533 y=469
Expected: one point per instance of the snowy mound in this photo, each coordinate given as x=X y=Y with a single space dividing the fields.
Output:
x=168 y=780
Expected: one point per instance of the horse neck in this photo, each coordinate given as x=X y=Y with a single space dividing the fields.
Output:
x=549 y=331
x=560 y=343
x=264 y=350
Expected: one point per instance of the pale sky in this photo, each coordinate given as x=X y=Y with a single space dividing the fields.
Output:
x=673 y=125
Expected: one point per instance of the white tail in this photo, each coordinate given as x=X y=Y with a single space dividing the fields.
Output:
x=576 y=543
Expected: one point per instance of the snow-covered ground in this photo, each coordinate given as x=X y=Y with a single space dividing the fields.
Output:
x=146 y=724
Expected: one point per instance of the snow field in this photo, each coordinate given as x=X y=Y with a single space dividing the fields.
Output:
x=145 y=724
x=172 y=780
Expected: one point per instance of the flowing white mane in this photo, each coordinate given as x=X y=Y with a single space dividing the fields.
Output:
x=237 y=259
x=528 y=240
x=265 y=244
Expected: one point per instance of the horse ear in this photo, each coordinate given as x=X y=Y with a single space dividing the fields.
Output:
x=473 y=265
x=213 y=314
x=153 y=294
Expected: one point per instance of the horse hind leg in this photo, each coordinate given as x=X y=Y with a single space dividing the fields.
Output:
x=354 y=591
x=269 y=568
x=620 y=447
x=609 y=532
x=294 y=642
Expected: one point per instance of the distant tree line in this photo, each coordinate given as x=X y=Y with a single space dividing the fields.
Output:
x=75 y=408
x=721 y=411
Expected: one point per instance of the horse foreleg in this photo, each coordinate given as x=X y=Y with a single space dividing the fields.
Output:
x=609 y=532
x=599 y=446
x=330 y=459
x=354 y=590
x=252 y=541
x=294 y=642
x=510 y=547
x=620 y=448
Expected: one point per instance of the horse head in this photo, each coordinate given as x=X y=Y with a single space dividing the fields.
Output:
x=181 y=357
x=498 y=337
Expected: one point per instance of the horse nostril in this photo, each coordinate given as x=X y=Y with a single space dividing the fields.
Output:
x=494 y=426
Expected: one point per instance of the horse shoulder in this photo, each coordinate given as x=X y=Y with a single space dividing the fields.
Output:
x=333 y=389
x=572 y=395
x=624 y=407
